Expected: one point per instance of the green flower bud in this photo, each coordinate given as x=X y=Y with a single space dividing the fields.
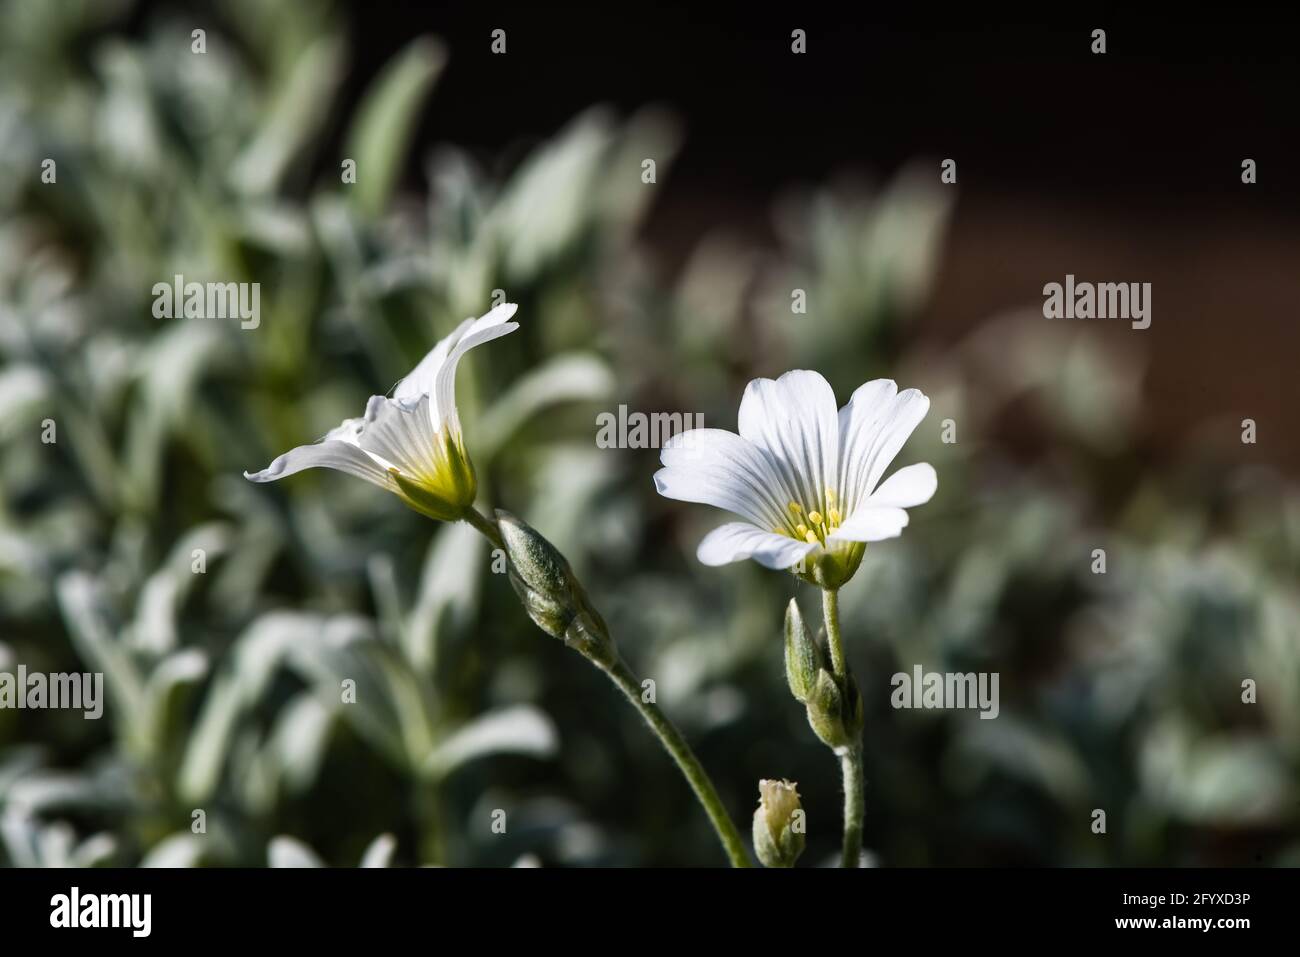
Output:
x=802 y=657
x=778 y=824
x=824 y=711
x=551 y=594
x=835 y=711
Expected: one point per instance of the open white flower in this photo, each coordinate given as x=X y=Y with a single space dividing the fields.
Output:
x=409 y=443
x=805 y=476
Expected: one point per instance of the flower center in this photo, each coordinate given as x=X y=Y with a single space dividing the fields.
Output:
x=811 y=525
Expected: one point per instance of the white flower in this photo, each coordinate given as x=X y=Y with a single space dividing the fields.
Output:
x=805 y=477
x=411 y=443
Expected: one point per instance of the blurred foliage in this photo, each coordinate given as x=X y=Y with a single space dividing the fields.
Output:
x=1119 y=691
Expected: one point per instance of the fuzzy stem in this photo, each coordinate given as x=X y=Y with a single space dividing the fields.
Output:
x=681 y=752
x=671 y=739
x=851 y=757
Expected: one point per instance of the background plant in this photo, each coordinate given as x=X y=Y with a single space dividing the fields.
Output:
x=1120 y=691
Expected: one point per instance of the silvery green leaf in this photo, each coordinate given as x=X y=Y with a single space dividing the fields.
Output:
x=1220 y=780
x=623 y=199
x=382 y=127
x=544 y=208
x=22 y=387
x=253 y=660
x=170 y=370
x=519 y=730
x=1038 y=755
x=299 y=108
x=299 y=739
x=154 y=628
x=390 y=710
x=566 y=378
x=21 y=835
x=290 y=852
x=97 y=850
x=379 y=853
x=165 y=689
x=100 y=649
x=181 y=849
x=449 y=588
x=277 y=227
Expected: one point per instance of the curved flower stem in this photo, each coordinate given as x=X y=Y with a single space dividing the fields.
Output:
x=486 y=527
x=850 y=758
x=671 y=739
x=681 y=752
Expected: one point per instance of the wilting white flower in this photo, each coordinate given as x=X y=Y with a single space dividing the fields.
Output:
x=805 y=476
x=409 y=443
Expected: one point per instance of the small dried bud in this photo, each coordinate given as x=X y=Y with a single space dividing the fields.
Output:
x=778 y=824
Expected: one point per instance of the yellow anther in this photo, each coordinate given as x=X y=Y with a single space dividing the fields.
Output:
x=796 y=508
x=830 y=495
x=815 y=517
x=810 y=537
x=802 y=530
x=835 y=516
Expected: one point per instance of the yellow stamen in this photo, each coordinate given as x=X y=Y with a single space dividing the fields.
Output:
x=802 y=530
x=835 y=516
x=795 y=507
x=810 y=537
x=815 y=517
x=830 y=495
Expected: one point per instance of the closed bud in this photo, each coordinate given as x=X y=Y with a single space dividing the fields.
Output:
x=802 y=657
x=550 y=593
x=778 y=824
x=825 y=705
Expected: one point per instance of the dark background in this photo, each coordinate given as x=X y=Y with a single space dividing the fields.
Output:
x=1125 y=166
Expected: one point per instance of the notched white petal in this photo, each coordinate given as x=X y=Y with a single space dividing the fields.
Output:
x=908 y=487
x=326 y=454
x=794 y=419
x=719 y=468
x=737 y=541
x=872 y=524
x=494 y=325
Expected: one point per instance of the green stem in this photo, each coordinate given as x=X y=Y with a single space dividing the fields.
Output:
x=855 y=799
x=681 y=752
x=664 y=730
x=851 y=758
x=831 y=613
x=485 y=526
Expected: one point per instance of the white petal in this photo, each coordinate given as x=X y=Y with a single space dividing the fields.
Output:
x=913 y=485
x=736 y=541
x=325 y=454
x=719 y=468
x=794 y=420
x=399 y=434
x=494 y=325
x=420 y=380
x=871 y=524
x=859 y=424
x=879 y=440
